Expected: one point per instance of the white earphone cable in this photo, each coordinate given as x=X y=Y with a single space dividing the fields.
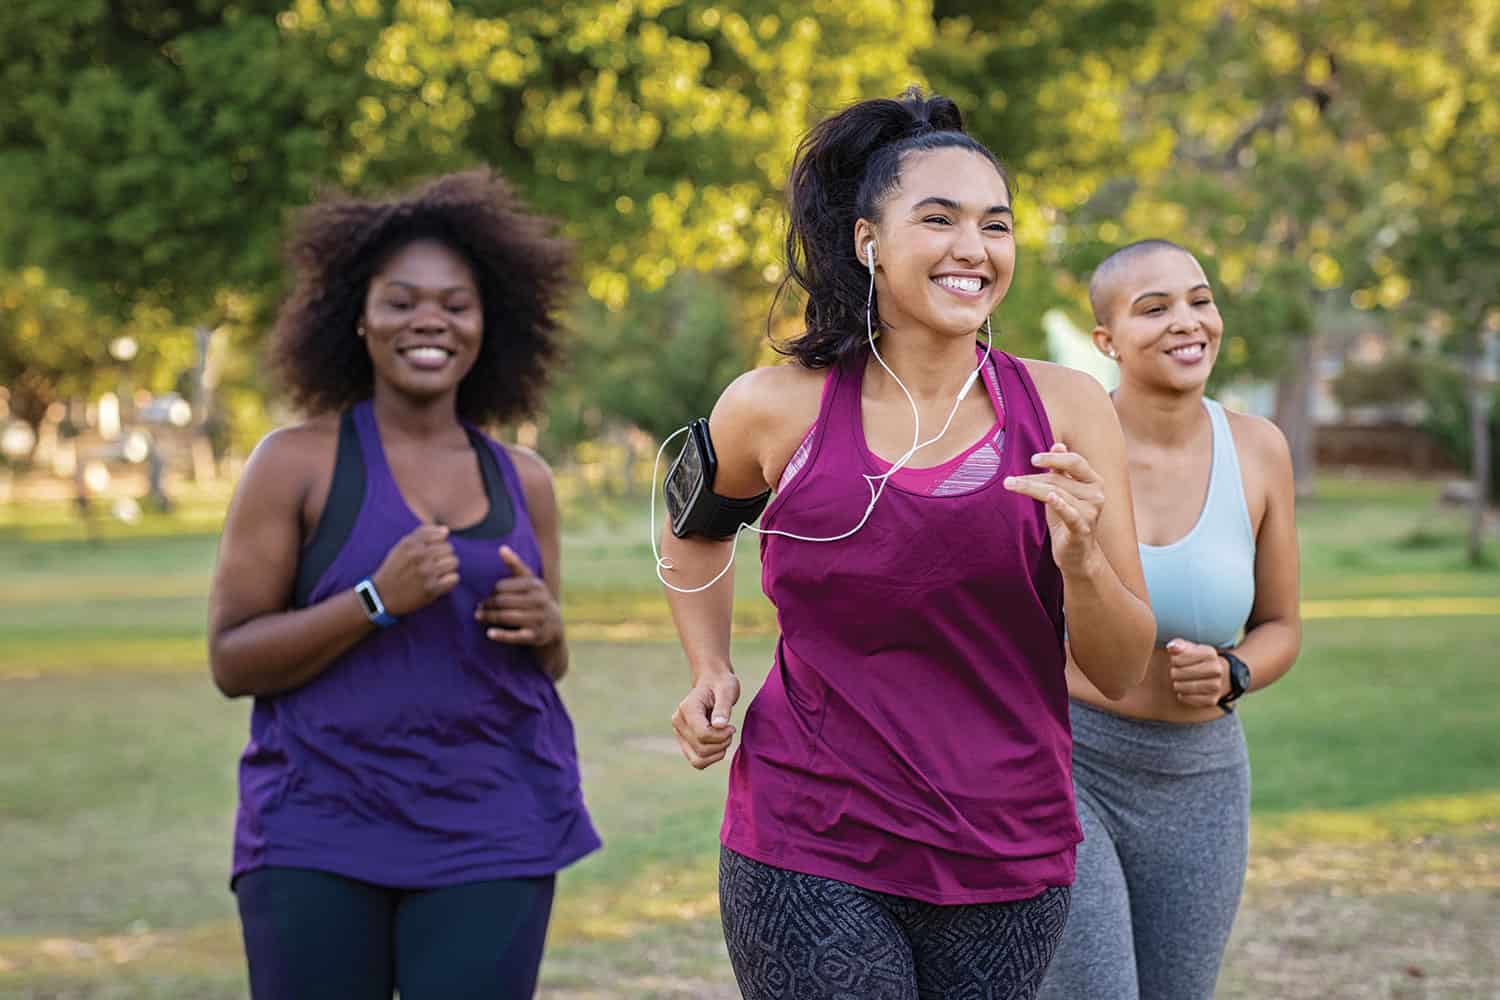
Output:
x=917 y=444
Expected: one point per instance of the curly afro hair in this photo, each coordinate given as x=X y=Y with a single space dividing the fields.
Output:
x=340 y=243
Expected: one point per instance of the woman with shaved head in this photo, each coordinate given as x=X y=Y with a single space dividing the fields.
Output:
x=1161 y=777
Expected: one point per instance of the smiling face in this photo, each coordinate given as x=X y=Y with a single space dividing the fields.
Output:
x=423 y=320
x=1161 y=321
x=945 y=250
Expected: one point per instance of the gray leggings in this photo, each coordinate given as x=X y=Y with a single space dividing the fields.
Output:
x=1165 y=809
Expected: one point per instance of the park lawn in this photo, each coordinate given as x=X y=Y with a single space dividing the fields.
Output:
x=137 y=599
x=1377 y=772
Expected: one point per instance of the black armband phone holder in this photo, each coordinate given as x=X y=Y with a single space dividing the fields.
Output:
x=692 y=505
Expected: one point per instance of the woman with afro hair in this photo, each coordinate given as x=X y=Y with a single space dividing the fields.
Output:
x=387 y=592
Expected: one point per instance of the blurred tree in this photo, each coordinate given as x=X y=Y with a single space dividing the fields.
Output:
x=151 y=149
x=1436 y=77
x=664 y=363
x=157 y=147
x=659 y=131
x=1250 y=132
x=51 y=346
x=54 y=347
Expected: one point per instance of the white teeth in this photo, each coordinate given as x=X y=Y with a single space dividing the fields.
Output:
x=1187 y=351
x=960 y=284
x=426 y=353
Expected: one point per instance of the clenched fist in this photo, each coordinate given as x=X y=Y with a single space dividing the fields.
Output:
x=417 y=571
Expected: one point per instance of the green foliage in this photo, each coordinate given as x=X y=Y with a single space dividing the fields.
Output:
x=1318 y=157
x=659 y=131
x=657 y=366
x=155 y=150
x=50 y=344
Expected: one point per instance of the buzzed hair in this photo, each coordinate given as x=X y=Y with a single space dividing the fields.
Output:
x=1110 y=270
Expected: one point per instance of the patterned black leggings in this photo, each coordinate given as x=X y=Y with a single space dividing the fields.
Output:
x=800 y=937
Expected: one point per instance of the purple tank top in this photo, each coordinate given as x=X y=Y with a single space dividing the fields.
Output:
x=426 y=755
x=912 y=736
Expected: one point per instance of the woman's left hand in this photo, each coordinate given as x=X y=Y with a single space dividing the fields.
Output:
x=521 y=610
x=1074 y=499
x=1200 y=677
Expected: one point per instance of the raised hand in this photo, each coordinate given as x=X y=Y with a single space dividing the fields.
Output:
x=521 y=610
x=1074 y=499
x=417 y=571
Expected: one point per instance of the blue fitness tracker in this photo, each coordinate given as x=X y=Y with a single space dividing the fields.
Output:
x=369 y=598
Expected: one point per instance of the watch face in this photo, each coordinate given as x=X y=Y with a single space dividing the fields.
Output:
x=367 y=599
x=1239 y=676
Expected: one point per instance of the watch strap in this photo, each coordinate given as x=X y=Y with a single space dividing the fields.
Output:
x=1238 y=668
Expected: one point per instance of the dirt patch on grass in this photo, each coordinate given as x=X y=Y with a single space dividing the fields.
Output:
x=1403 y=918
x=1314 y=945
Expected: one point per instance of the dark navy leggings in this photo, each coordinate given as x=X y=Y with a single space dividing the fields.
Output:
x=311 y=934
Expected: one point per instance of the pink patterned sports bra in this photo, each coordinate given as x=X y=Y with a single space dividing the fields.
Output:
x=966 y=471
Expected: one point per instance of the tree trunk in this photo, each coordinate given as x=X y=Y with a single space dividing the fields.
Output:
x=1294 y=415
x=1479 y=442
x=201 y=448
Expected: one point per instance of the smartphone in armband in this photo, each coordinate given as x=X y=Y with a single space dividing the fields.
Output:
x=692 y=505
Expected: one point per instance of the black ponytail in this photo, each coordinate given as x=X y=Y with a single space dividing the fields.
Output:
x=844 y=169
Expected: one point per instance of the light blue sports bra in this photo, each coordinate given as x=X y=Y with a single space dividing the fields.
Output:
x=1202 y=586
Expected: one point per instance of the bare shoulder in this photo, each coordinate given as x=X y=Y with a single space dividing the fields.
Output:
x=767 y=397
x=532 y=469
x=1074 y=400
x=1069 y=385
x=1260 y=441
x=288 y=458
x=758 y=422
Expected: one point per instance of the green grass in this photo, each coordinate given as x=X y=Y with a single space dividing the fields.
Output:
x=117 y=759
x=1379 y=711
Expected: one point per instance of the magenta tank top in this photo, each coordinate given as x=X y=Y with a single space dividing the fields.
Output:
x=912 y=736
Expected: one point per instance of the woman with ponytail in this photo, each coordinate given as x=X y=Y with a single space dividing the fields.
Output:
x=900 y=821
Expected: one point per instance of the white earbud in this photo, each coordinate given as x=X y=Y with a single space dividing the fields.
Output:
x=876 y=484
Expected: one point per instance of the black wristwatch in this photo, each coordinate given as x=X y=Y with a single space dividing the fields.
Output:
x=1239 y=680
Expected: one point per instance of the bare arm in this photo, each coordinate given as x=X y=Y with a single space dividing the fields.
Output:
x=256 y=645
x=1092 y=521
x=259 y=645
x=1273 y=634
x=755 y=428
x=703 y=618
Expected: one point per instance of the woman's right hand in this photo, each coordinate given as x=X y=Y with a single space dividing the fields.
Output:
x=417 y=571
x=701 y=721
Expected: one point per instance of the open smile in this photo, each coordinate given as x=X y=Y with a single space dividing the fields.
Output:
x=426 y=357
x=1189 y=354
x=965 y=286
